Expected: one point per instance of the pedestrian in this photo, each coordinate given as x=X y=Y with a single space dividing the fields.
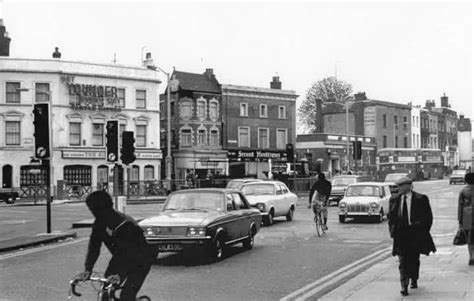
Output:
x=131 y=255
x=466 y=212
x=320 y=192
x=410 y=220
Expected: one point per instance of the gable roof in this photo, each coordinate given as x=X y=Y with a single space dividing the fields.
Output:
x=197 y=82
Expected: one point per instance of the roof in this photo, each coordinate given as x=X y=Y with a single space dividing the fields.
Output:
x=249 y=89
x=197 y=82
x=368 y=184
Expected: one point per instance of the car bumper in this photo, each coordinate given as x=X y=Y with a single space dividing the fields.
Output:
x=456 y=180
x=360 y=213
x=178 y=244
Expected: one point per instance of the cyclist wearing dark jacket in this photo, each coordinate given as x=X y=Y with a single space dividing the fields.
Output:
x=131 y=255
x=322 y=188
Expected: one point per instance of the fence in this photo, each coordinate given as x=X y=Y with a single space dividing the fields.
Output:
x=138 y=189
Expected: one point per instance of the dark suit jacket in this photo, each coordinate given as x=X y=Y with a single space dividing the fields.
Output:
x=417 y=238
x=466 y=207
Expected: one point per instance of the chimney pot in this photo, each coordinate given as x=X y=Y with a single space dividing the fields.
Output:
x=56 y=53
x=275 y=83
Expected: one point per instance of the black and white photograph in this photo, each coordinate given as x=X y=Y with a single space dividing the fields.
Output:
x=236 y=150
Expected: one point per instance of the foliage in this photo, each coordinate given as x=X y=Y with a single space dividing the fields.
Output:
x=329 y=90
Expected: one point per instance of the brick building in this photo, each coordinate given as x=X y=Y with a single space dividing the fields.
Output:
x=258 y=123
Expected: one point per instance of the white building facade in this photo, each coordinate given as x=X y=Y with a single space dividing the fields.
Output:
x=83 y=97
x=415 y=127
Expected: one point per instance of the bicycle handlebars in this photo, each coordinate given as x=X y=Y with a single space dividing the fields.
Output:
x=107 y=284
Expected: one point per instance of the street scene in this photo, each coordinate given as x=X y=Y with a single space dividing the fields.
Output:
x=236 y=151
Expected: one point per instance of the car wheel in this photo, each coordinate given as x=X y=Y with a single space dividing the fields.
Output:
x=269 y=219
x=289 y=215
x=217 y=249
x=342 y=218
x=379 y=218
x=249 y=242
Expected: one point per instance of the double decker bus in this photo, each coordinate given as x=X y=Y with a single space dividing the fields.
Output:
x=419 y=164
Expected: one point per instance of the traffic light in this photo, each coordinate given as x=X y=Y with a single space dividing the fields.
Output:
x=357 y=147
x=290 y=152
x=112 y=141
x=128 y=149
x=41 y=133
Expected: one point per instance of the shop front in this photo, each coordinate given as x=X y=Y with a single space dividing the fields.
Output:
x=255 y=163
x=200 y=163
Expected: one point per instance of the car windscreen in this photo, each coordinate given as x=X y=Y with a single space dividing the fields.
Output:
x=212 y=201
x=459 y=172
x=235 y=184
x=363 y=191
x=394 y=177
x=258 y=189
x=343 y=181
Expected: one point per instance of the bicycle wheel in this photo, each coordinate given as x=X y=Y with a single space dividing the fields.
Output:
x=323 y=227
x=317 y=224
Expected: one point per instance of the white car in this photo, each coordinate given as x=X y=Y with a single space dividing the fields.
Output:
x=272 y=198
x=365 y=200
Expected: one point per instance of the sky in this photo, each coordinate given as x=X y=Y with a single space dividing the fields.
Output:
x=393 y=51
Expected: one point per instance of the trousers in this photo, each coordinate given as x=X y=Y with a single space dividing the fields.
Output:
x=134 y=279
x=409 y=267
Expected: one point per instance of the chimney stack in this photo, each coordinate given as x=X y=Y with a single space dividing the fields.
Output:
x=275 y=83
x=4 y=40
x=56 y=53
x=360 y=96
x=148 y=62
x=444 y=101
x=209 y=73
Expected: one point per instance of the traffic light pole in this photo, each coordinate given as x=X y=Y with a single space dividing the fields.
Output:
x=47 y=164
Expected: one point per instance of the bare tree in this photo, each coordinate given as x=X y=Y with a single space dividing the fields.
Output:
x=328 y=90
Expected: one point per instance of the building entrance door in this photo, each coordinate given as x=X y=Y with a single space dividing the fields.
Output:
x=7 y=176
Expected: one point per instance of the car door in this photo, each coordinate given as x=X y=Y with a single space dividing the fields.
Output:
x=279 y=198
x=386 y=198
x=290 y=198
x=231 y=226
x=243 y=212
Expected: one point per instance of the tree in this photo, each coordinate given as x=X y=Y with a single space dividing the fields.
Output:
x=328 y=90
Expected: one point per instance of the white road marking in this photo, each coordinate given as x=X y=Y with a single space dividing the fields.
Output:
x=39 y=249
x=328 y=280
x=14 y=222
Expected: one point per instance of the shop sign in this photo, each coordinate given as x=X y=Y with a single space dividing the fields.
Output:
x=83 y=154
x=93 y=97
x=433 y=159
x=406 y=159
x=149 y=156
x=255 y=155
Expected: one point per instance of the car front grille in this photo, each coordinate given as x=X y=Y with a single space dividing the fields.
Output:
x=170 y=231
x=358 y=208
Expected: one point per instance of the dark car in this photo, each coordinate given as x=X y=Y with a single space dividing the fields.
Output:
x=391 y=178
x=340 y=183
x=9 y=195
x=210 y=218
x=457 y=176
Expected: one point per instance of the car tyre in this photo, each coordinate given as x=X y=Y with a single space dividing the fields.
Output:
x=342 y=219
x=289 y=215
x=217 y=250
x=269 y=219
x=249 y=242
x=379 y=218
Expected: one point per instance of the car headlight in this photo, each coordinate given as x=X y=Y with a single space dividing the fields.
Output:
x=374 y=205
x=150 y=231
x=196 y=231
x=260 y=206
x=342 y=205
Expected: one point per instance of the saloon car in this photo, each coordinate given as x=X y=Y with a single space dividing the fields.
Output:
x=391 y=178
x=369 y=200
x=272 y=198
x=457 y=176
x=209 y=218
x=340 y=183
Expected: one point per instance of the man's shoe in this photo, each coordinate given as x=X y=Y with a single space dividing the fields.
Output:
x=404 y=291
x=414 y=284
x=325 y=228
x=471 y=261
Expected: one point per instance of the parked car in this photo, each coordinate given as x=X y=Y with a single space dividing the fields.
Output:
x=457 y=176
x=9 y=195
x=391 y=178
x=340 y=183
x=365 y=200
x=272 y=198
x=210 y=218
x=237 y=183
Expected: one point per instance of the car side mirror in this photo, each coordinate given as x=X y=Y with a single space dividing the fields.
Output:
x=230 y=207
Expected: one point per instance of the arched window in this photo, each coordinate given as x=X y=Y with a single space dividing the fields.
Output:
x=213 y=109
x=186 y=137
x=149 y=172
x=202 y=136
x=201 y=108
x=134 y=174
x=186 y=109
x=102 y=175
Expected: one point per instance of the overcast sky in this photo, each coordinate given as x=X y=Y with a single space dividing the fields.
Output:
x=393 y=51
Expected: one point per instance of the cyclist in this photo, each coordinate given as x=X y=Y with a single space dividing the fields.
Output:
x=320 y=192
x=131 y=255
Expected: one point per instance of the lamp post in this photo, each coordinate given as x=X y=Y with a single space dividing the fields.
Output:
x=168 y=121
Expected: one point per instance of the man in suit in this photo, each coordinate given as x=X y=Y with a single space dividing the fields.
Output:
x=410 y=220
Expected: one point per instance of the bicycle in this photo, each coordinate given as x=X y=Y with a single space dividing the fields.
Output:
x=105 y=291
x=318 y=219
